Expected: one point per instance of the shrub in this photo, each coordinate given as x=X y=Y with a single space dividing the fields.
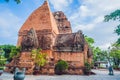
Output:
x=87 y=68
x=1 y=68
x=2 y=61
x=61 y=66
x=115 y=66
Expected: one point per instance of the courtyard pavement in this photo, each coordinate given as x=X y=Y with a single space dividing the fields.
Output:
x=101 y=74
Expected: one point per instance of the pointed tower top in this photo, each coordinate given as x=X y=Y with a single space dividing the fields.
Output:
x=41 y=19
x=45 y=1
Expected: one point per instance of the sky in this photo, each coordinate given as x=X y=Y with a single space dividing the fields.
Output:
x=85 y=15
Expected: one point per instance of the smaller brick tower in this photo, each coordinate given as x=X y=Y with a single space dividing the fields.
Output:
x=62 y=23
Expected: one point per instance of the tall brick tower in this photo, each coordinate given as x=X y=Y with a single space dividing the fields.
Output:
x=38 y=31
x=42 y=21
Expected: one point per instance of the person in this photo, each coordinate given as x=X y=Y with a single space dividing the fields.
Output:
x=110 y=70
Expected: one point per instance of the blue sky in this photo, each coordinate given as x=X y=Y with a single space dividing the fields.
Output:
x=85 y=15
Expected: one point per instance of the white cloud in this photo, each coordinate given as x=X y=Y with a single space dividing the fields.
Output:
x=98 y=19
x=37 y=2
x=105 y=46
x=99 y=7
x=86 y=27
x=9 y=25
x=95 y=9
x=90 y=25
x=89 y=17
x=8 y=19
x=60 y=4
x=84 y=11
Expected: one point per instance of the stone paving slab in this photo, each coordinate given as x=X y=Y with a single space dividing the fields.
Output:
x=100 y=75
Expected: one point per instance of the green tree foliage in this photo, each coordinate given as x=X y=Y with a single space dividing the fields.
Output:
x=61 y=66
x=10 y=51
x=39 y=57
x=7 y=49
x=17 y=1
x=2 y=59
x=96 y=50
x=105 y=55
x=98 y=54
x=14 y=52
x=115 y=54
x=117 y=30
x=118 y=41
x=112 y=16
x=90 y=41
x=87 y=66
x=115 y=16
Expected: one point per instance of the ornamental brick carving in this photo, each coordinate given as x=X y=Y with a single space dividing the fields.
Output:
x=29 y=41
x=73 y=42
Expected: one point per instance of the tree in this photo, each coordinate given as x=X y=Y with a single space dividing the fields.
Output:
x=118 y=41
x=115 y=54
x=90 y=41
x=17 y=1
x=96 y=50
x=98 y=54
x=61 y=66
x=115 y=16
x=2 y=59
x=105 y=55
x=14 y=52
x=7 y=49
x=39 y=57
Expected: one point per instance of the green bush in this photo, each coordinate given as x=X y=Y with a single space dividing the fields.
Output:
x=61 y=66
x=1 y=68
x=87 y=66
x=115 y=66
x=2 y=60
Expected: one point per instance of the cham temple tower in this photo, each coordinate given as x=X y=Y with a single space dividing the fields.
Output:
x=53 y=34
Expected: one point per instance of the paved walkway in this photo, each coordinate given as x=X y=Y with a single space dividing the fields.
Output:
x=101 y=74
